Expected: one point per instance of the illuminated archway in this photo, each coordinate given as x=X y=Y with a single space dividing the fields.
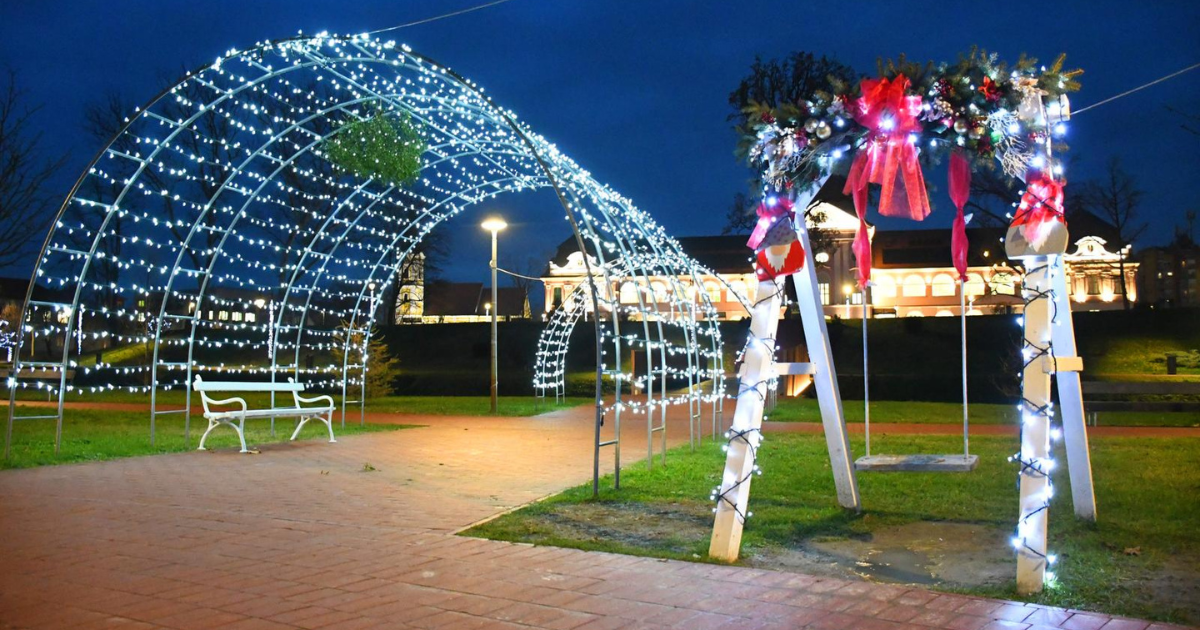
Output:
x=217 y=196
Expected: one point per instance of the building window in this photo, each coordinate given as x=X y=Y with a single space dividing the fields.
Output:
x=629 y=293
x=1093 y=285
x=856 y=297
x=251 y=317
x=237 y=317
x=223 y=315
x=824 y=292
x=883 y=287
x=714 y=291
x=914 y=313
x=943 y=285
x=914 y=286
x=1004 y=283
x=975 y=284
x=660 y=291
x=557 y=296
x=944 y=313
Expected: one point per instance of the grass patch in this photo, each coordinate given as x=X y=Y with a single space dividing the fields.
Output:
x=916 y=412
x=96 y=435
x=1146 y=491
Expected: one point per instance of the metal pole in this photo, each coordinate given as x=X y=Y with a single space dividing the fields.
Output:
x=866 y=379
x=495 y=309
x=962 y=306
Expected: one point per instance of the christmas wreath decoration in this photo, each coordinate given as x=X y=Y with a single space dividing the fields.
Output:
x=980 y=112
x=385 y=146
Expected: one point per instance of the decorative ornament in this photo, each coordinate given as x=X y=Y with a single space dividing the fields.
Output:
x=810 y=125
x=961 y=126
x=771 y=211
x=990 y=90
x=960 y=192
x=824 y=130
x=976 y=132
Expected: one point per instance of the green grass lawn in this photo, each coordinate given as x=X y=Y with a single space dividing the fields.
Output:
x=94 y=435
x=916 y=412
x=1146 y=491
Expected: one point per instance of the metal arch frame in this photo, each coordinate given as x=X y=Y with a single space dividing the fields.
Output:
x=538 y=165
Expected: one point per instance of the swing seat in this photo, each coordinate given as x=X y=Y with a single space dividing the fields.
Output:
x=917 y=463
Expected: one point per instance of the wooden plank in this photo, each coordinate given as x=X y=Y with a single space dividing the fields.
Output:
x=747 y=419
x=794 y=369
x=1033 y=516
x=1070 y=399
x=917 y=463
x=1060 y=365
x=829 y=398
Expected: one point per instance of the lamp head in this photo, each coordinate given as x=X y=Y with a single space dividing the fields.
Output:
x=494 y=224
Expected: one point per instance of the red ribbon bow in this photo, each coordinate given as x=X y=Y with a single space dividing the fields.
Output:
x=888 y=158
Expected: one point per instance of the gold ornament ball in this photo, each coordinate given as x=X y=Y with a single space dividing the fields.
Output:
x=810 y=125
x=960 y=126
x=824 y=130
x=976 y=132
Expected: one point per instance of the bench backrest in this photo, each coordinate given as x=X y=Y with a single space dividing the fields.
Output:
x=201 y=385
x=1104 y=387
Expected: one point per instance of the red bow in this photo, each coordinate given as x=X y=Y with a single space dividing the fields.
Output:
x=1041 y=206
x=769 y=211
x=888 y=158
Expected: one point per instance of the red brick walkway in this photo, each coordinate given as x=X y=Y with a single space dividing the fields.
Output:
x=301 y=537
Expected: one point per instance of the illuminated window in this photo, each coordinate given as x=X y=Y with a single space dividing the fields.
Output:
x=223 y=315
x=943 y=285
x=914 y=286
x=1093 y=285
x=714 y=291
x=885 y=287
x=914 y=314
x=660 y=291
x=975 y=284
x=251 y=317
x=944 y=313
x=824 y=292
x=237 y=317
x=1005 y=283
x=629 y=293
x=738 y=290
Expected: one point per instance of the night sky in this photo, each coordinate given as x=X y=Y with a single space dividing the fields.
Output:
x=636 y=91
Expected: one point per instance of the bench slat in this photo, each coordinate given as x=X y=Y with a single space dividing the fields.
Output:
x=239 y=386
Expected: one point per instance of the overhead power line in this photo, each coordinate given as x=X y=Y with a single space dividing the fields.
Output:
x=440 y=17
x=1138 y=88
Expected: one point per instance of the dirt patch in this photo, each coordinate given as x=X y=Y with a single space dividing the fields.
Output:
x=931 y=553
x=674 y=528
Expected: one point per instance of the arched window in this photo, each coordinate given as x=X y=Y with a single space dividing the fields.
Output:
x=714 y=291
x=914 y=286
x=1004 y=282
x=737 y=290
x=629 y=293
x=974 y=311
x=943 y=285
x=660 y=291
x=914 y=313
x=944 y=313
x=885 y=287
x=975 y=284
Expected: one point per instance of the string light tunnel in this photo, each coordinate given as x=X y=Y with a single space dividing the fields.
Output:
x=214 y=234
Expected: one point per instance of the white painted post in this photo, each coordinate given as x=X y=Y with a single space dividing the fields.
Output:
x=1030 y=540
x=829 y=399
x=1070 y=398
x=757 y=368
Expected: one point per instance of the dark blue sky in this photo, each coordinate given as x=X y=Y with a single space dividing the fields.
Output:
x=635 y=91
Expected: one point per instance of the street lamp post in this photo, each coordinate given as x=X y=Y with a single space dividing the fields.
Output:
x=494 y=225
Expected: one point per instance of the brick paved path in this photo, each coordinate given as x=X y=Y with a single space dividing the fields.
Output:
x=300 y=537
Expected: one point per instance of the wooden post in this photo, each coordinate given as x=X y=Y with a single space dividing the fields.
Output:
x=1070 y=398
x=1030 y=539
x=829 y=399
x=757 y=368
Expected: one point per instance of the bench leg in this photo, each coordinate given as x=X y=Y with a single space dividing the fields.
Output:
x=212 y=424
x=241 y=431
x=325 y=418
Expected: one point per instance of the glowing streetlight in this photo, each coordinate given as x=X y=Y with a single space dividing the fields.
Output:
x=494 y=225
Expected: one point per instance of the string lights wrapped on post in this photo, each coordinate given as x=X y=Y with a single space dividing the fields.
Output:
x=979 y=112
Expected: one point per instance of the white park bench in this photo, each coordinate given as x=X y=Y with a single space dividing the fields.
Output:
x=236 y=418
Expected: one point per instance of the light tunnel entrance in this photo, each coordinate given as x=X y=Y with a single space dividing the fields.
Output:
x=215 y=235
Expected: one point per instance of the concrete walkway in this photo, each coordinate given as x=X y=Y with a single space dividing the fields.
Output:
x=300 y=536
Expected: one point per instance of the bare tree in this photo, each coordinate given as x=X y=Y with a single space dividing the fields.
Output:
x=1116 y=198
x=25 y=205
x=792 y=81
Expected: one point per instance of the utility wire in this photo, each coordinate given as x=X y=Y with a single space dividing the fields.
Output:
x=1138 y=88
x=513 y=273
x=440 y=17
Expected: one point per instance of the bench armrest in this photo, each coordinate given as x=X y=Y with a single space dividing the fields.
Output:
x=302 y=399
x=228 y=401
